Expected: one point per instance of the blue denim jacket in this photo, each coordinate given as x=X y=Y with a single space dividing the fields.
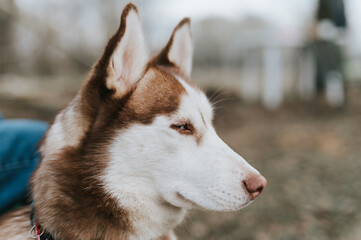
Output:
x=19 y=139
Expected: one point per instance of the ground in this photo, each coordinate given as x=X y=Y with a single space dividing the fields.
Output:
x=309 y=153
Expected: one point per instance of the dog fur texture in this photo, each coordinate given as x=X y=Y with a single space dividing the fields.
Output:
x=134 y=149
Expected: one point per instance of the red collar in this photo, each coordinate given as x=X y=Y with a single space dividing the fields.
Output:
x=36 y=231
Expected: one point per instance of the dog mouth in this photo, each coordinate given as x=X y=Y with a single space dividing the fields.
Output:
x=189 y=202
x=195 y=205
x=223 y=209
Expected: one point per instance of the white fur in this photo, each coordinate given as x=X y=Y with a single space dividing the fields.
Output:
x=127 y=179
x=181 y=51
x=151 y=164
x=56 y=140
x=67 y=130
x=172 y=236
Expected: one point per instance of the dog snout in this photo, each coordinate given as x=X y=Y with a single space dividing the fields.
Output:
x=255 y=183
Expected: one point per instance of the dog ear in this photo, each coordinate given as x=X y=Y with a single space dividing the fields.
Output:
x=125 y=56
x=179 y=49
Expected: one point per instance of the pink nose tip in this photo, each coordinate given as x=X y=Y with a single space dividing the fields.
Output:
x=255 y=183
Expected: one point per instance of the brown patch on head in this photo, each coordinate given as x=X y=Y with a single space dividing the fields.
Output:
x=175 y=71
x=158 y=92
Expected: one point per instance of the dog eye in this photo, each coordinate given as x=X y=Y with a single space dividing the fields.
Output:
x=185 y=128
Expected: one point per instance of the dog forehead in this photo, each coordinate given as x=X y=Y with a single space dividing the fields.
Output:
x=156 y=93
x=194 y=102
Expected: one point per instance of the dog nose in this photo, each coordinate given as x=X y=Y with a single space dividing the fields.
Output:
x=255 y=183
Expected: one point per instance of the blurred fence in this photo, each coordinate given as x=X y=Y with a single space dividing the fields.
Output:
x=253 y=55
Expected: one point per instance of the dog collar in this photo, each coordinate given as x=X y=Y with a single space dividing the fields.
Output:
x=36 y=231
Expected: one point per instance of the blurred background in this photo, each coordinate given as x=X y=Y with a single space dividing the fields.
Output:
x=285 y=77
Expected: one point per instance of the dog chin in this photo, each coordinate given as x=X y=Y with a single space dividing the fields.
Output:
x=184 y=202
x=223 y=208
x=187 y=203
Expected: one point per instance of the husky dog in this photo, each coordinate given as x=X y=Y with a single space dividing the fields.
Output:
x=133 y=150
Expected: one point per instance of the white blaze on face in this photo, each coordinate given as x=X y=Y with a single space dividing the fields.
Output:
x=205 y=172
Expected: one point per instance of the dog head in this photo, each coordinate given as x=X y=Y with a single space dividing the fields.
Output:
x=154 y=125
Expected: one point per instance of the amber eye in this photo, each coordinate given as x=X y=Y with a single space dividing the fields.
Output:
x=185 y=128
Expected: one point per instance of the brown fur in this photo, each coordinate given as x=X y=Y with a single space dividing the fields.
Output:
x=70 y=201
x=71 y=178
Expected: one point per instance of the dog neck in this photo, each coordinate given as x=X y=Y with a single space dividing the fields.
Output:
x=72 y=202
x=150 y=215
